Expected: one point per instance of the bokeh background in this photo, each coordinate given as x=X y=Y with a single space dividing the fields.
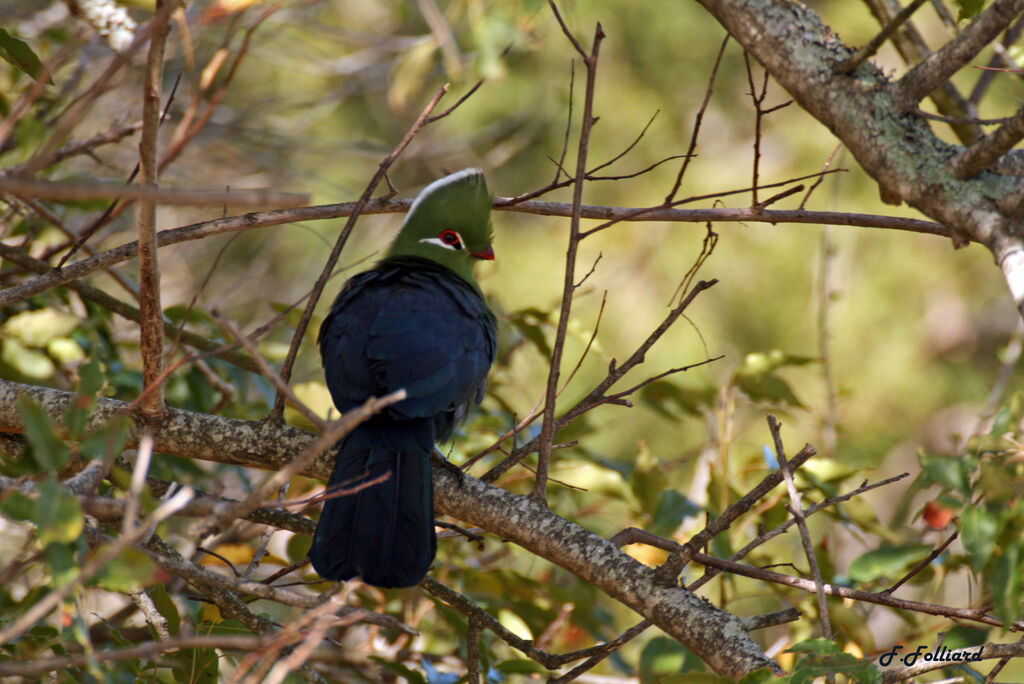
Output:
x=872 y=345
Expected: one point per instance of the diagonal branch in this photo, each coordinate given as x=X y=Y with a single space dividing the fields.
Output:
x=940 y=66
x=716 y=636
x=987 y=151
x=568 y=286
x=332 y=259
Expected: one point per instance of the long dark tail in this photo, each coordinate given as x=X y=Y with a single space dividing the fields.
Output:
x=383 y=533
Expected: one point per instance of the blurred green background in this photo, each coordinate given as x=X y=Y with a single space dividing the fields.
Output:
x=868 y=344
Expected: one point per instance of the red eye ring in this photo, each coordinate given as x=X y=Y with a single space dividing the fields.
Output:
x=450 y=237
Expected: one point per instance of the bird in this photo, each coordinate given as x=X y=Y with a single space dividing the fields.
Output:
x=417 y=321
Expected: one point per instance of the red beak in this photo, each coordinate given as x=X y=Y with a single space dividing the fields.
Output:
x=487 y=253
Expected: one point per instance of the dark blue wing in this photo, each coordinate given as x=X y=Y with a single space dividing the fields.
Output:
x=412 y=324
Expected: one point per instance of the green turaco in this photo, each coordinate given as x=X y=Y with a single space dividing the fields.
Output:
x=416 y=321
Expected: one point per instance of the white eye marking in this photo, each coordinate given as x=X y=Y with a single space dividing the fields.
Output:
x=439 y=243
x=448 y=239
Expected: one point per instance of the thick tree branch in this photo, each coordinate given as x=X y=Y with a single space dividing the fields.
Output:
x=151 y=315
x=716 y=636
x=984 y=153
x=866 y=112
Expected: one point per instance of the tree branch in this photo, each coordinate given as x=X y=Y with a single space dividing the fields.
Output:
x=151 y=314
x=939 y=67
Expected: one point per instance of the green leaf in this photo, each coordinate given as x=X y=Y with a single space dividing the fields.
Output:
x=59 y=516
x=410 y=676
x=1007 y=583
x=968 y=8
x=887 y=562
x=662 y=656
x=202 y=666
x=48 y=449
x=529 y=323
x=90 y=378
x=165 y=606
x=815 y=646
x=769 y=387
x=947 y=471
x=672 y=508
x=31 y=363
x=978 y=529
x=129 y=571
x=17 y=53
x=17 y=506
x=36 y=328
x=60 y=558
x=673 y=401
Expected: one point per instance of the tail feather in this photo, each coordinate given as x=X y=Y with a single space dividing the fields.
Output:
x=383 y=533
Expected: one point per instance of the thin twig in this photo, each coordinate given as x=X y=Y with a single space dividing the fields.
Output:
x=548 y=429
x=332 y=433
x=868 y=50
x=332 y=259
x=797 y=510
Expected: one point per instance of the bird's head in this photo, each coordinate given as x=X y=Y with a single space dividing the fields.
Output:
x=450 y=223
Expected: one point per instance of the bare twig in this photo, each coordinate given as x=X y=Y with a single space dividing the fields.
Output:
x=151 y=329
x=548 y=430
x=332 y=259
x=797 y=510
x=55 y=277
x=332 y=433
x=270 y=374
x=23 y=186
x=869 y=49
x=698 y=119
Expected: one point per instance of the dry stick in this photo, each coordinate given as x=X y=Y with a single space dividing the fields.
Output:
x=970 y=614
x=670 y=197
x=267 y=371
x=332 y=433
x=605 y=651
x=868 y=50
x=471 y=610
x=179 y=142
x=55 y=277
x=71 y=192
x=924 y=563
x=547 y=433
x=940 y=66
x=758 y=100
x=151 y=325
x=116 y=133
x=73 y=113
x=115 y=208
x=473 y=633
x=597 y=396
x=220 y=591
x=44 y=211
x=797 y=510
x=988 y=75
x=332 y=259
x=984 y=153
x=147 y=650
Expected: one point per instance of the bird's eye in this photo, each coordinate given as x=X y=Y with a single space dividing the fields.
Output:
x=450 y=237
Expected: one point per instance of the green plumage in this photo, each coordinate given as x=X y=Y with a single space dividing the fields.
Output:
x=419 y=322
